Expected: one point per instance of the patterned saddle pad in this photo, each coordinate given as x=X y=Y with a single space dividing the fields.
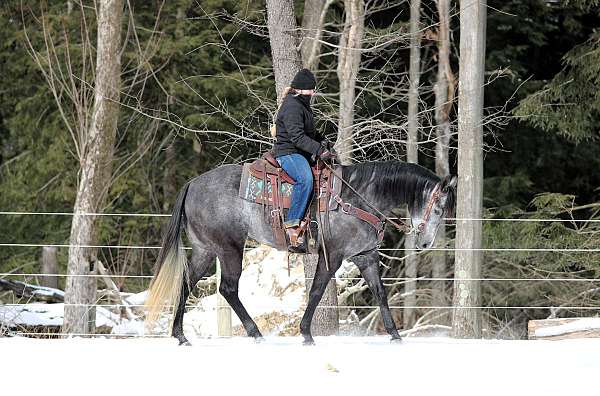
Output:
x=254 y=189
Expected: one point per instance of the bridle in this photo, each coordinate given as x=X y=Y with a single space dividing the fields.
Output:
x=378 y=222
x=435 y=197
x=402 y=225
x=347 y=208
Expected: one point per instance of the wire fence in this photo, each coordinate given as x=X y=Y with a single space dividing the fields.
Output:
x=449 y=249
x=448 y=219
x=351 y=307
x=286 y=306
x=413 y=279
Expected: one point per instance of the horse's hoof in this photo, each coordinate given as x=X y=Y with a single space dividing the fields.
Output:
x=396 y=340
x=308 y=342
x=184 y=343
x=259 y=339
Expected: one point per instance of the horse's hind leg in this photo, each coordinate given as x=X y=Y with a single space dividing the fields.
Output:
x=231 y=270
x=201 y=262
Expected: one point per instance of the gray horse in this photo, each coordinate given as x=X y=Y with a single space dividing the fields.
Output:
x=218 y=222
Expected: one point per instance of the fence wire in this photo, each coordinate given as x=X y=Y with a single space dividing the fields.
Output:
x=393 y=307
x=448 y=219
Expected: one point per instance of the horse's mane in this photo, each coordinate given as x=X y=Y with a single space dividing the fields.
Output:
x=406 y=182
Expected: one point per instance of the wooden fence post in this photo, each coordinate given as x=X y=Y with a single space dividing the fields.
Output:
x=49 y=266
x=223 y=310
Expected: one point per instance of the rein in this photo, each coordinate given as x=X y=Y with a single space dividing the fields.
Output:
x=402 y=226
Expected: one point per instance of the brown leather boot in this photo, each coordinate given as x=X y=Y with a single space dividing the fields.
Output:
x=294 y=235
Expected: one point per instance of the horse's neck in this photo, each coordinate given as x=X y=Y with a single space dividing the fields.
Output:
x=387 y=193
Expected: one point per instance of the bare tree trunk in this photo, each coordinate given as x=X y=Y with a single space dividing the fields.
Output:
x=313 y=21
x=444 y=97
x=49 y=266
x=412 y=155
x=283 y=36
x=169 y=172
x=169 y=186
x=95 y=162
x=466 y=321
x=325 y=320
x=347 y=70
x=286 y=63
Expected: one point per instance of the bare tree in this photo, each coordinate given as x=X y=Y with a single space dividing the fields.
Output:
x=283 y=36
x=412 y=155
x=444 y=98
x=286 y=63
x=466 y=320
x=169 y=181
x=347 y=70
x=95 y=161
x=313 y=21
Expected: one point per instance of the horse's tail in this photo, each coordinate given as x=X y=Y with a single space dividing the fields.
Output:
x=171 y=266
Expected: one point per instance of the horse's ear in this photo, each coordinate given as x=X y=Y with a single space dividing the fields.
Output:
x=449 y=182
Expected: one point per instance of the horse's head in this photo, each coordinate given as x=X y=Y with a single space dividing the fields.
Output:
x=436 y=204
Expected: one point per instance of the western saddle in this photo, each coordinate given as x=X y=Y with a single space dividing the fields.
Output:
x=274 y=193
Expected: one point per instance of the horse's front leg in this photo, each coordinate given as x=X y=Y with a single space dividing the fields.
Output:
x=368 y=265
x=320 y=280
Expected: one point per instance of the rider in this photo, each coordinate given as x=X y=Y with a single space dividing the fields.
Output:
x=297 y=143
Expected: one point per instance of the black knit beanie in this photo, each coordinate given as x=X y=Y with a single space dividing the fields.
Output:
x=304 y=79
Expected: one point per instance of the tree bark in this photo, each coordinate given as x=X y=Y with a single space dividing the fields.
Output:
x=50 y=267
x=444 y=97
x=283 y=36
x=313 y=21
x=412 y=155
x=286 y=63
x=169 y=186
x=95 y=172
x=325 y=320
x=466 y=321
x=347 y=70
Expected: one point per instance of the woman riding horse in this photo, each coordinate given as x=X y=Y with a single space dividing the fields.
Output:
x=297 y=143
x=219 y=228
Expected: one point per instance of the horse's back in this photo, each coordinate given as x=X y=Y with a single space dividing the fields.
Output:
x=212 y=198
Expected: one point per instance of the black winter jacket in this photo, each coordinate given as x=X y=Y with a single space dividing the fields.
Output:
x=295 y=127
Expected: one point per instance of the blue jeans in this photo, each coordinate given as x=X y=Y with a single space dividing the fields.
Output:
x=298 y=168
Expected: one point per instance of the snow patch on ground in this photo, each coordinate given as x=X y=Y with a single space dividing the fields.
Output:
x=40 y=314
x=583 y=324
x=265 y=288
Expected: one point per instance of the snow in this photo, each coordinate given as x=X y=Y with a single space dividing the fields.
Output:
x=282 y=366
x=40 y=314
x=278 y=366
x=137 y=299
x=47 y=291
x=583 y=324
x=265 y=289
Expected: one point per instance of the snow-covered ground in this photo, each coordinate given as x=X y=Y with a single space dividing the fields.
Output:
x=343 y=366
x=282 y=366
